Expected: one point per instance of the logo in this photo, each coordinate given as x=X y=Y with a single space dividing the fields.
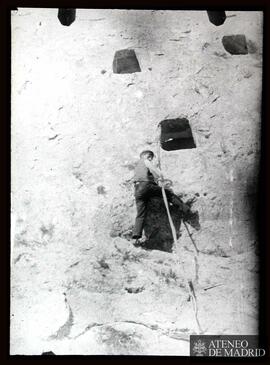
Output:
x=199 y=348
x=225 y=346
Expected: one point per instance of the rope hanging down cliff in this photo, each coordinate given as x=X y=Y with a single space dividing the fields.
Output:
x=189 y=283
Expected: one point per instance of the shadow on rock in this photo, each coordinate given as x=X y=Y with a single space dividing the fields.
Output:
x=193 y=219
x=157 y=228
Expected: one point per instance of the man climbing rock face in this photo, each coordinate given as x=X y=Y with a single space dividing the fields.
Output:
x=146 y=178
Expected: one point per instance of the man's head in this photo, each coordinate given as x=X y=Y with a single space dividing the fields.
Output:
x=147 y=155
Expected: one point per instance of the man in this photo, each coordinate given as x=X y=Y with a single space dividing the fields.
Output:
x=145 y=180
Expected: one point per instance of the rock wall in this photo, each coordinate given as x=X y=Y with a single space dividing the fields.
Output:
x=78 y=127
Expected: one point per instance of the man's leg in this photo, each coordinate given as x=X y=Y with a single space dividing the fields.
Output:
x=141 y=211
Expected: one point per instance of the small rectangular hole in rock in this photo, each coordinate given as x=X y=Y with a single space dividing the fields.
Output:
x=125 y=61
x=176 y=134
x=216 y=17
x=235 y=44
x=66 y=16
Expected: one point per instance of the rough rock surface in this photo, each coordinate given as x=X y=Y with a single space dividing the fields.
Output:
x=78 y=284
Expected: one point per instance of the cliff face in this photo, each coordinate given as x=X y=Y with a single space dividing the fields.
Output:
x=77 y=131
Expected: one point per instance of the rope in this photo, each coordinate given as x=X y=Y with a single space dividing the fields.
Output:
x=169 y=216
x=189 y=284
x=190 y=236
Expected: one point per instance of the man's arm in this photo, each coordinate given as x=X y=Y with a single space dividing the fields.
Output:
x=154 y=170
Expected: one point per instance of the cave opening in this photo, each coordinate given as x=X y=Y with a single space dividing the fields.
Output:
x=176 y=134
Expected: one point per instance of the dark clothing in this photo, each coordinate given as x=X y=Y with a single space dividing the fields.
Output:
x=142 y=172
x=143 y=191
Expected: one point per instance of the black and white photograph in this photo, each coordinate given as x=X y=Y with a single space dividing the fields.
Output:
x=135 y=161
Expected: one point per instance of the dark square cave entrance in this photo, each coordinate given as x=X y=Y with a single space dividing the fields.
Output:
x=176 y=134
